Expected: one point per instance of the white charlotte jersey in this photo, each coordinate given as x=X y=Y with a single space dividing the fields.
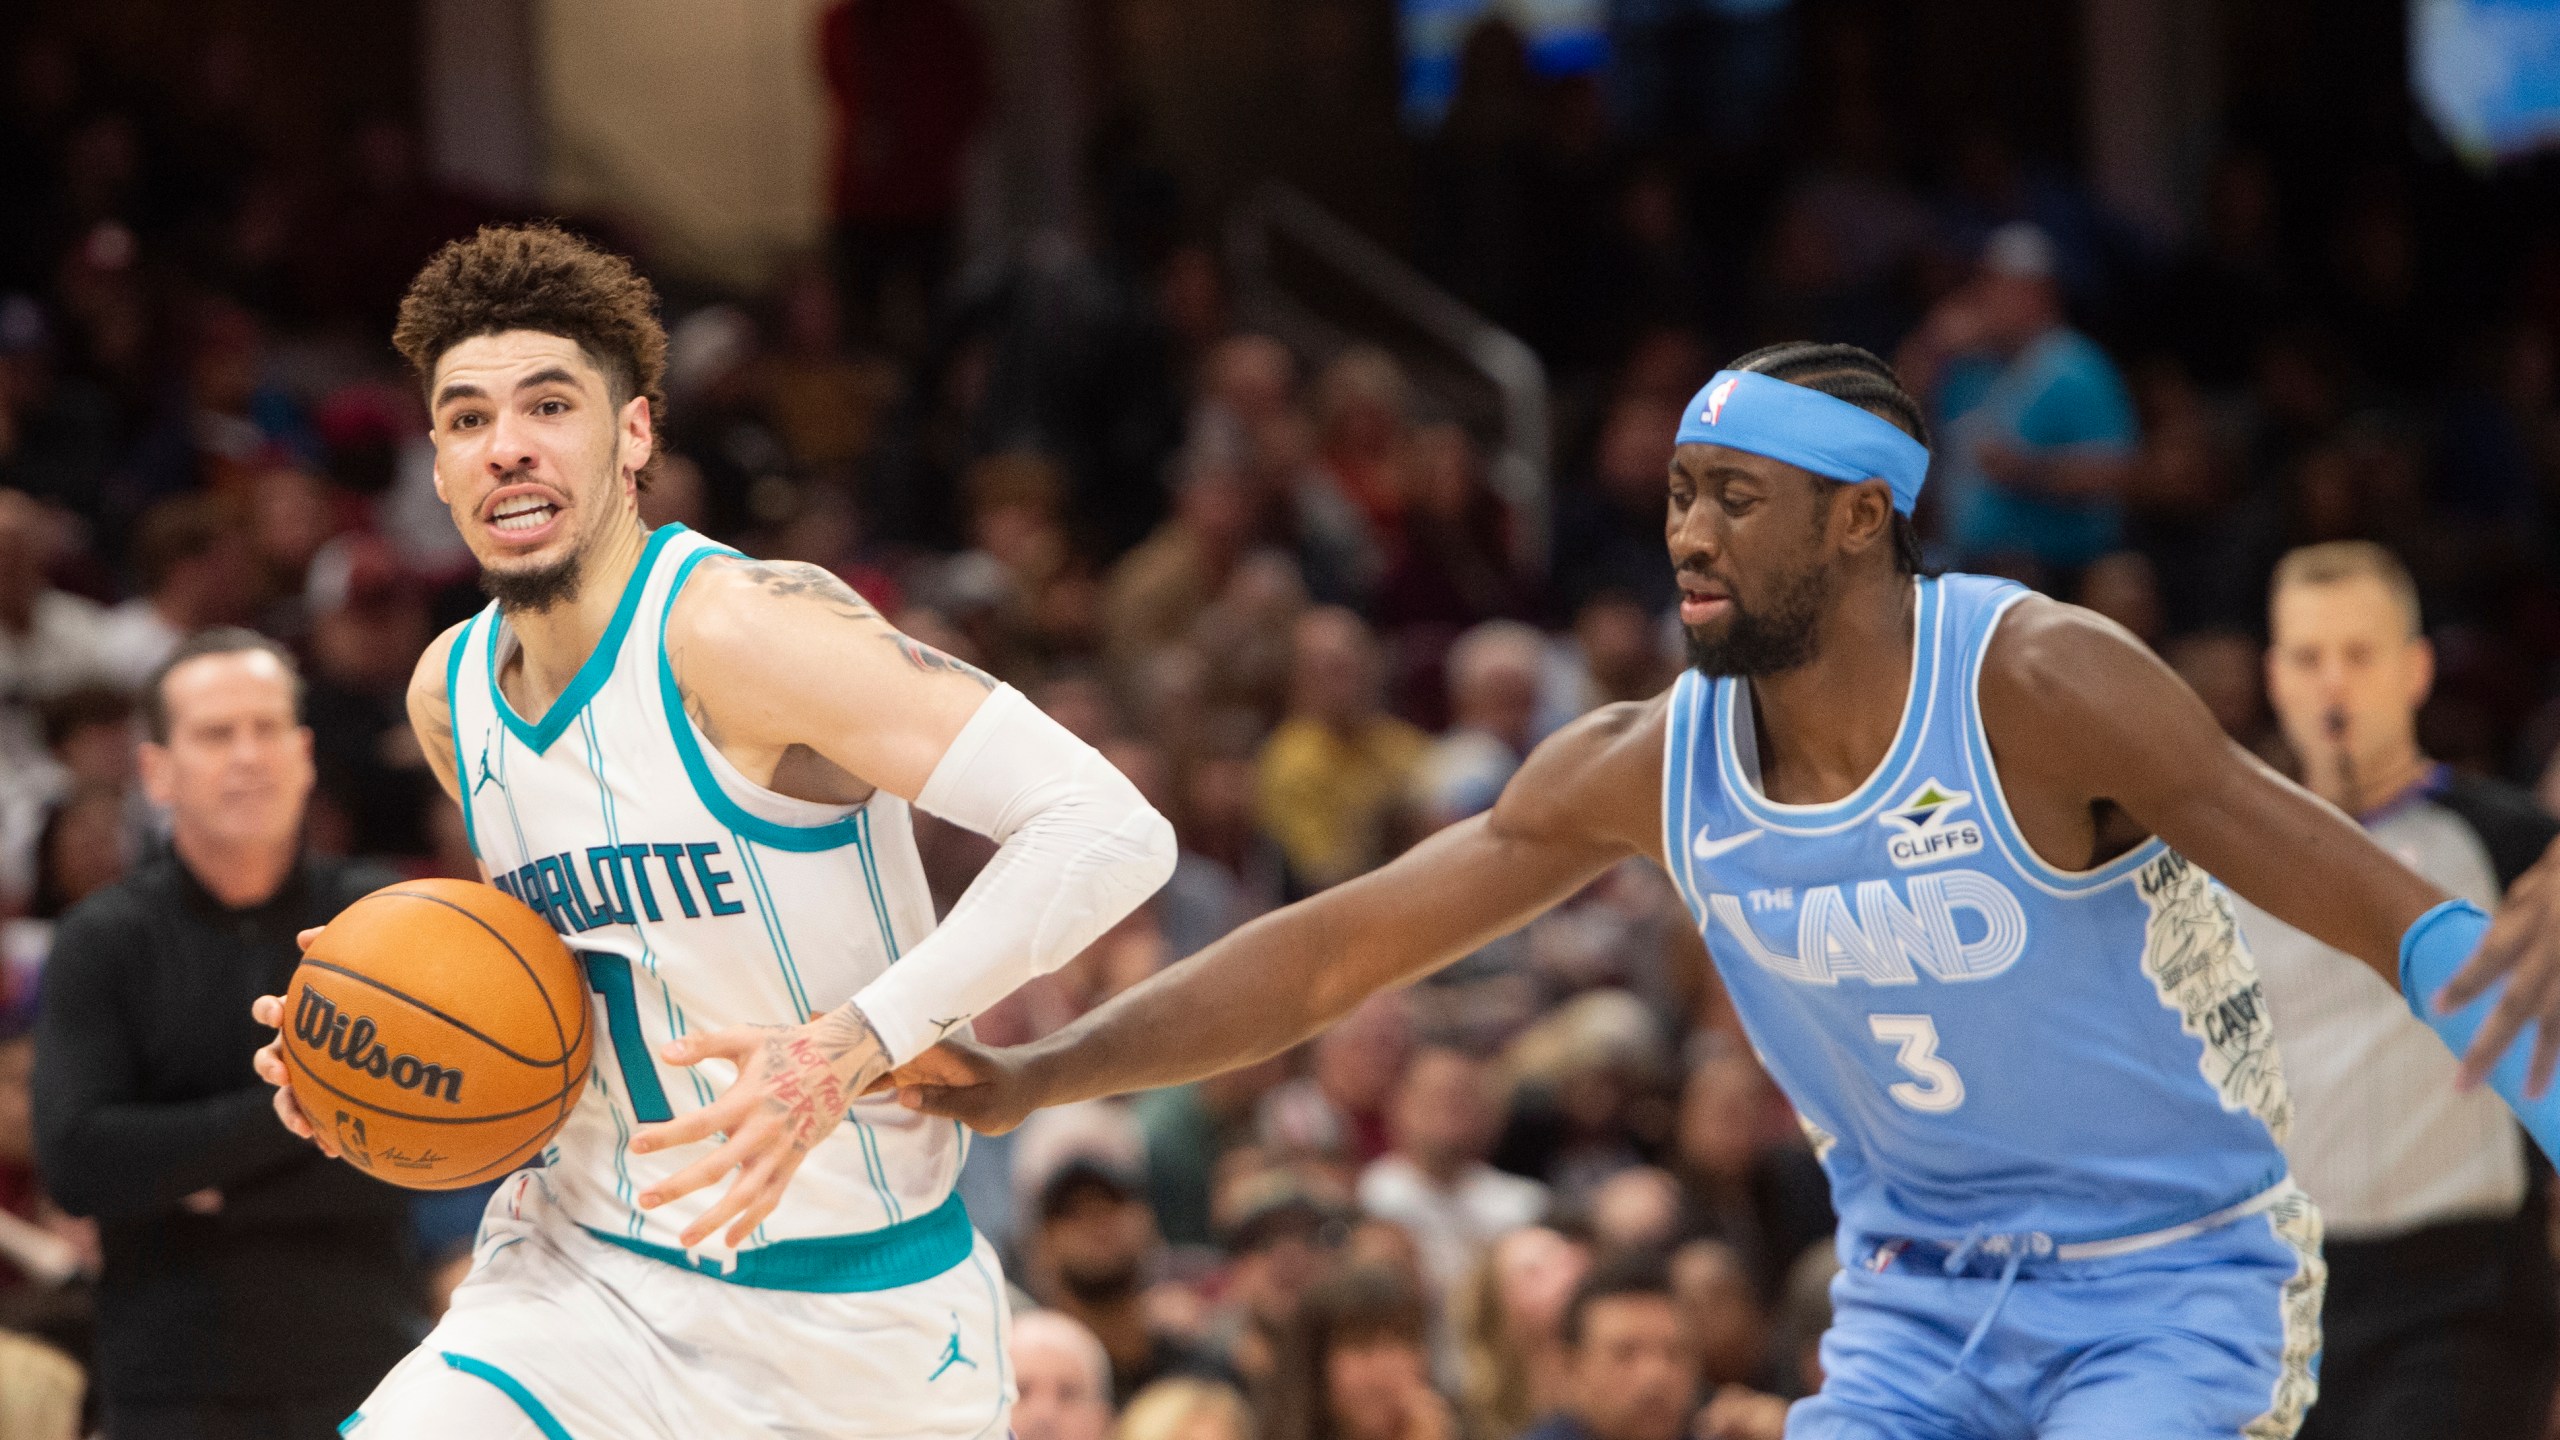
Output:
x=698 y=900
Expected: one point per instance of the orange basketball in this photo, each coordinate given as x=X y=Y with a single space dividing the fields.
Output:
x=438 y=1030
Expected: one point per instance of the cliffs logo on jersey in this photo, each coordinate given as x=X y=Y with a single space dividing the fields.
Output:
x=1955 y=925
x=350 y=1040
x=556 y=889
x=1931 y=829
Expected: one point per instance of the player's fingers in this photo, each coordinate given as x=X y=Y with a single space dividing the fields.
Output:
x=290 y=1113
x=304 y=938
x=930 y=1100
x=735 y=1043
x=2506 y=1021
x=727 y=1114
x=269 y=1063
x=971 y=1105
x=953 y=1062
x=2546 y=1054
x=268 y=1010
x=2499 y=950
x=700 y=1173
x=760 y=1197
x=733 y=1203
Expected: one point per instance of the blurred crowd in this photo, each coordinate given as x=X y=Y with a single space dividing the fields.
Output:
x=1548 y=1190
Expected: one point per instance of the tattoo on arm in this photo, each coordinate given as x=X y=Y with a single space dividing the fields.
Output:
x=792 y=580
x=925 y=657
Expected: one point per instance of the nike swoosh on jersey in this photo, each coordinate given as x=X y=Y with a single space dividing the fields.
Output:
x=1707 y=847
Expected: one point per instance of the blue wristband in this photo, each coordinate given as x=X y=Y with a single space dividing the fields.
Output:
x=2441 y=943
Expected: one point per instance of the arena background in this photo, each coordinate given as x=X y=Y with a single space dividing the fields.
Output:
x=1279 y=392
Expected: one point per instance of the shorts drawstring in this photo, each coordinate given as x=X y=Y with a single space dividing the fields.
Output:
x=1999 y=1297
x=2018 y=1248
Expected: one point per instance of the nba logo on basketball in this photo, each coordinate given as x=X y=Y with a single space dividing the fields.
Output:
x=1715 y=401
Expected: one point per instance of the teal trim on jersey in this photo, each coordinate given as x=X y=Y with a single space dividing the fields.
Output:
x=878 y=1167
x=609 y=975
x=995 y=1319
x=591 y=675
x=462 y=776
x=622 y=1187
x=780 y=940
x=774 y=936
x=639 y=1066
x=871 y=882
x=888 y=1258
x=515 y=822
x=640 y=923
x=1882 y=786
x=350 y=1422
x=508 y=1386
x=800 y=839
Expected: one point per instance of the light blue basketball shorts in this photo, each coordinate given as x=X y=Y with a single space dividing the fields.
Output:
x=2209 y=1332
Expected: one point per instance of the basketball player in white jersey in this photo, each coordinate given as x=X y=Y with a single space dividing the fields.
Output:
x=698 y=768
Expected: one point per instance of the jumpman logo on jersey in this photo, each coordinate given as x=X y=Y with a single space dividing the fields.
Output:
x=951 y=1353
x=488 y=776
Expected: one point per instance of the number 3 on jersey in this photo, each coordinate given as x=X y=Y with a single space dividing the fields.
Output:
x=1935 y=1088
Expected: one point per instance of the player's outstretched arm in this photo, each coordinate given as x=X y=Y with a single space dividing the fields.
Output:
x=1586 y=799
x=2075 y=704
x=806 y=688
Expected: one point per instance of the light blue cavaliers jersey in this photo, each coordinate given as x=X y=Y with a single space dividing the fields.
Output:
x=1977 y=1041
x=697 y=900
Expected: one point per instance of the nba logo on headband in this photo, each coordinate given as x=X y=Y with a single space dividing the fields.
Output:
x=1715 y=401
x=1821 y=433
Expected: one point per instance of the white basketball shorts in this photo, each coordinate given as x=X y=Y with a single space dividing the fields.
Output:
x=558 y=1334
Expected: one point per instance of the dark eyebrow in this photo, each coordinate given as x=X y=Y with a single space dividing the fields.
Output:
x=555 y=375
x=461 y=390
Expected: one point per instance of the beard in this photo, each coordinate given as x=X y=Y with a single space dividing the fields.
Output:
x=531 y=592
x=1768 y=639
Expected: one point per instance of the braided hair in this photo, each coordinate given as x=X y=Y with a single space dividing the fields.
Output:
x=1859 y=376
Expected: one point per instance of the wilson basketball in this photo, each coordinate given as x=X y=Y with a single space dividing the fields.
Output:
x=438 y=1031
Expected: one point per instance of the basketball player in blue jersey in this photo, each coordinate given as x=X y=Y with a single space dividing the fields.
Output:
x=1953 y=847
x=698 y=768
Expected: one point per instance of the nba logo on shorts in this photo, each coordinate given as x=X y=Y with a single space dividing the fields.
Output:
x=1715 y=401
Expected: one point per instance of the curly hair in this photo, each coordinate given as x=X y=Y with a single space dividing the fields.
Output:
x=540 y=277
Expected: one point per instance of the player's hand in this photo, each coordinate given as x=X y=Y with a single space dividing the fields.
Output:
x=2523 y=946
x=268 y=1010
x=794 y=1082
x=990 y=1091
x=269 y=1061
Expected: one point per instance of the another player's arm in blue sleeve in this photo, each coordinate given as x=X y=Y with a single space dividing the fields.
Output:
x=2082 y=716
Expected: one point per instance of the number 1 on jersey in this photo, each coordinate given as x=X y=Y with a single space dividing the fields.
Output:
x=1936 y=1088
x=610 y=974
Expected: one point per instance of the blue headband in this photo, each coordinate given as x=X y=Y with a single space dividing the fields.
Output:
x=1822 y=433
